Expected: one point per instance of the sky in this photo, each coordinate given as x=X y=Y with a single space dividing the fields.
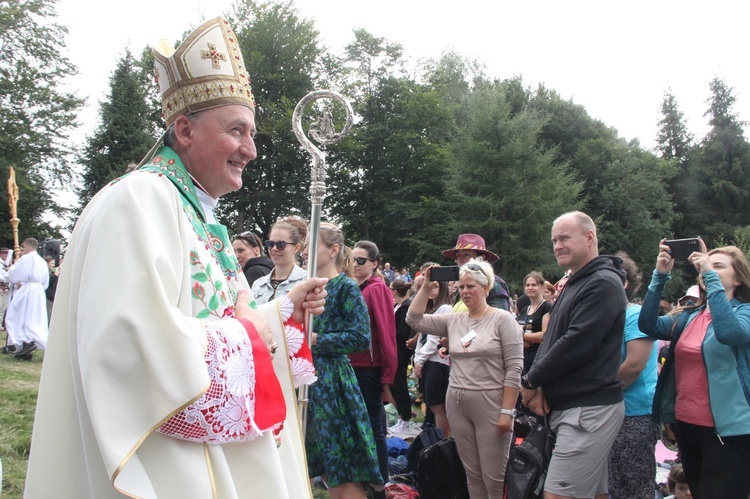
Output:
x=614 y=58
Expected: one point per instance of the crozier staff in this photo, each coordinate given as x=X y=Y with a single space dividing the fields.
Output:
x=169 y=383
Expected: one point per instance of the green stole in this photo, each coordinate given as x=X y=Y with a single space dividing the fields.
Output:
x=214 y=237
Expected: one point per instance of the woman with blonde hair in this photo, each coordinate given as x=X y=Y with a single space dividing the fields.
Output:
x=486 y=363
x=704 y=386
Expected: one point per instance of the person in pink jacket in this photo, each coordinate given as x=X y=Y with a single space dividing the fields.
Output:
x=375 y=367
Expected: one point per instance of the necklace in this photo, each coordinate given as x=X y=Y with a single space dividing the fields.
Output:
x=531 y=311
x=484 y=312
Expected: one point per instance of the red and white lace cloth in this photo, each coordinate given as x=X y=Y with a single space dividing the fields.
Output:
x=244 y=397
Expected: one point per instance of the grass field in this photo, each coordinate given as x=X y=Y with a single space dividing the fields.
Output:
x=19 y=387
x=18 y=391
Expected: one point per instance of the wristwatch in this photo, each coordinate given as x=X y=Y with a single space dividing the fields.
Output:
x=510 y=412
x=525 y=383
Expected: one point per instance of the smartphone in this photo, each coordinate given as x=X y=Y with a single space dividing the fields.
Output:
x=682 y=248
x=449 y=273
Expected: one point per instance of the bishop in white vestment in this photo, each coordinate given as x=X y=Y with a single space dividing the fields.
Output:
x=159 y=380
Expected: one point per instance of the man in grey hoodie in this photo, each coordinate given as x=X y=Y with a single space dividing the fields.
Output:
x=574 y=376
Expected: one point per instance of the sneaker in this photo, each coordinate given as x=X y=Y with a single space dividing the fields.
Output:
x=399 y=426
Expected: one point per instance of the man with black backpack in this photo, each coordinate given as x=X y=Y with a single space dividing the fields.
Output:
x=574 y=375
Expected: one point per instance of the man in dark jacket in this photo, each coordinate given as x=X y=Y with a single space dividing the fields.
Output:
x=574 y=375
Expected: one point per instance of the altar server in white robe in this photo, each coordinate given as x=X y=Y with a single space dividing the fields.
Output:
x=26 y=318
x=160 y=378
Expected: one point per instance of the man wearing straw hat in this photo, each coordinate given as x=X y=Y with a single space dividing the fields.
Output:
x=160 y=378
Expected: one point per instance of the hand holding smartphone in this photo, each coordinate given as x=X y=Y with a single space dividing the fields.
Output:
x=680 y=249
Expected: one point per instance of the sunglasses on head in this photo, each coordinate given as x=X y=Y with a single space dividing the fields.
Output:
x=474 y=267
x=250 y=238
x=361 y=260
x=280 y=245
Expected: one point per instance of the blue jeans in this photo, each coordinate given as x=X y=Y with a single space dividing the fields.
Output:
x=372 y=391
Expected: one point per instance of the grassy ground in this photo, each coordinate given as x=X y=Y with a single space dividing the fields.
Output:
x=19 y=387
x=19 y=383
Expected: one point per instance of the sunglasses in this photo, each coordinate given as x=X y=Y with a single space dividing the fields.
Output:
x=280 y=245
x=361 y=260
x=474 y=267
x=250 y=238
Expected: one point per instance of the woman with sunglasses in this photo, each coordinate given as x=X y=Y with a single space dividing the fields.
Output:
x=486 y=362
x=285 y=243
x=339 y=441
x=248 y=248
x=375 y=367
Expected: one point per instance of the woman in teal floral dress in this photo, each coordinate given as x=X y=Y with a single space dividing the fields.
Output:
x=339 y=441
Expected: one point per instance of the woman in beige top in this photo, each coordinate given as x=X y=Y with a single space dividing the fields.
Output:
x=486 y=361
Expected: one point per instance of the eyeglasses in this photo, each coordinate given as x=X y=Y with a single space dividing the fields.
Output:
x=361 y=260
x=280 y=245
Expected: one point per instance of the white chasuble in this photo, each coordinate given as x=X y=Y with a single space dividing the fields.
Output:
x=150 y=388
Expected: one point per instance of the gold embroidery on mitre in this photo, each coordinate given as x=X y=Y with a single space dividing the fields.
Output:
x=193 y=79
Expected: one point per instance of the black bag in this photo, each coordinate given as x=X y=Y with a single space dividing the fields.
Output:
x=527 y=465
x=427 y=437
x=441 y=472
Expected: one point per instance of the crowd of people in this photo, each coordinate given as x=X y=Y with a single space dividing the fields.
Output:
x=581 y=352
x=173 y=373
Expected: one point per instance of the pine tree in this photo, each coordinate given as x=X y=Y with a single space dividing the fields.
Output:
x=124 y=134
x=673 y=140
x=720 y=174
x=36 y=115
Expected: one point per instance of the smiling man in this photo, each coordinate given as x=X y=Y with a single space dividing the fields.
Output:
x=160 y=378
x=574 y=375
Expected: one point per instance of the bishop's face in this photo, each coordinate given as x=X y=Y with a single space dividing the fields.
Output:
x=220 y=144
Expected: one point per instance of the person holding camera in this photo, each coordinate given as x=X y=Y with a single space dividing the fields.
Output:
x=486 y=363
x=704 y=386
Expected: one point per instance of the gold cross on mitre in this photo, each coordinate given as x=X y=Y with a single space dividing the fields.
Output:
x=214 y=55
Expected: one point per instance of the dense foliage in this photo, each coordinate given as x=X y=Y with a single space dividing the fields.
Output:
x=439 y=147
x=36 y=114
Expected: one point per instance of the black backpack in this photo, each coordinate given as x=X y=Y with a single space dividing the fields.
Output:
x=527 y=464
x=427 y=437
x=441 y=472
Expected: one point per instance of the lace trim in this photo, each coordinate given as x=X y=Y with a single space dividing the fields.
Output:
x=286 y=307
x=300 y=356
x=225 y=413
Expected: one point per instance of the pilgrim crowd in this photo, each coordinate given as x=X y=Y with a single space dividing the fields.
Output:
x=604 y=365
x=174 y=373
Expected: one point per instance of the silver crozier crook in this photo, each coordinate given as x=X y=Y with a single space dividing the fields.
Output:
x=324 y=132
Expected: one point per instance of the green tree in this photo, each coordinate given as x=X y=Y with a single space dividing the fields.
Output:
x=396 y=158
x=124 y=134
x=720 y=173
x=673 y=140
x=36 y=115
x=625 y=188
x=674 y=143
x=280 y=50
x=504 y=183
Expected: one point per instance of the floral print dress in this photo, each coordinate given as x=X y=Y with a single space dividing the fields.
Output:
x=339 y=439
